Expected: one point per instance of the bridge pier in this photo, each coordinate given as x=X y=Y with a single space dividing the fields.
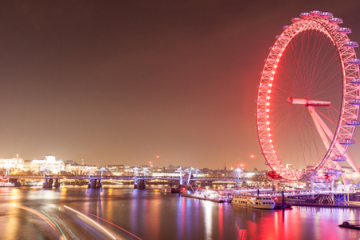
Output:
x=94 y=183
x=99 y=183
x=142 y=184
x=48 y=183
x=15 y=181
x=57 y=183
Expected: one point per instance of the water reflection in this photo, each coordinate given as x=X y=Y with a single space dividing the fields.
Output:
x=150 y=215
x=208 y=218
x=221 y=227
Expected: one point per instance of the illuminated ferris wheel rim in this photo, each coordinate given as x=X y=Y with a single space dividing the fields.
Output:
x=342 y=138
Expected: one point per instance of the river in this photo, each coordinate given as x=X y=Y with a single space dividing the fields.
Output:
x=35 y=213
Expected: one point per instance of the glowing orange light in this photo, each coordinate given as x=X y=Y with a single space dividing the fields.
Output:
x=241 y=165
x=252 y=156
x=150 y=162
x=157 y=156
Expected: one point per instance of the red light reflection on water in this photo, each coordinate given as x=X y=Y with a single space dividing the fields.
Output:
x=221 y=226
x=241 y=234
x=183 y=211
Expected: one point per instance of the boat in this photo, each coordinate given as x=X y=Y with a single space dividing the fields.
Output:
x=203 y=197
x=7 y=184
x=166 y=190
x=254 y=201
x=169 y=190
x=351 y=225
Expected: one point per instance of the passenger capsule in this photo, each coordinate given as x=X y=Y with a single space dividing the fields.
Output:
x=350 y=44
x=295 y=20
x=277 y=48
x=315 y=13
x=353 y=123
x=354 y=61
x=305 y=15
x=326 y=15
x=267 y=152
x=266 y=73
x=336 y=20
x=355 y=101
x=347 y=142
x=354 y=80
x=343 y=30
x=285 y=27
x=338 y=158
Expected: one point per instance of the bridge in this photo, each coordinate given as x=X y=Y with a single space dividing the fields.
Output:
x=95 y=181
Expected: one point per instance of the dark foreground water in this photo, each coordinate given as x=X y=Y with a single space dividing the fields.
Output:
x=34 y=213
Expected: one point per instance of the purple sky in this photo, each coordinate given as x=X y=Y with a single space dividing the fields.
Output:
x=119 y=82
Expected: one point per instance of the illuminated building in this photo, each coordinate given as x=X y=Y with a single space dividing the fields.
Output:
x=12 y=164
x=78 y=169
x=50 y=164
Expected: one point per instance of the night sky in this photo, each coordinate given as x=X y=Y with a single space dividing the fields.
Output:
x=119 y=82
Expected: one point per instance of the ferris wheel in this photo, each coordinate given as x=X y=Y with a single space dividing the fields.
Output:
x=308 y=98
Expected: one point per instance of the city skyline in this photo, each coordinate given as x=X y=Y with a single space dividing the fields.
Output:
x=176 y=80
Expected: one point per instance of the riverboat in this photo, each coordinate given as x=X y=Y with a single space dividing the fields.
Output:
x=254 y=201
x=7 y=184
x=351 y=224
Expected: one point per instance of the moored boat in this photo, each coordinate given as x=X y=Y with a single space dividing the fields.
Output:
x=254 y=201
x=351 y=225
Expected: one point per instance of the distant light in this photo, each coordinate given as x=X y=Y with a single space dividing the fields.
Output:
x=157 y=156
x=150 y=162
x=252 y=156
x=241 y=165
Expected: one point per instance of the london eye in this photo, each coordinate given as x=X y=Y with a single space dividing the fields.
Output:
x=308 y=99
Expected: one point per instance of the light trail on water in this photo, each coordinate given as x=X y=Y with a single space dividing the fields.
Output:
x=112 y=236
x=55 y=223
x=113 y=225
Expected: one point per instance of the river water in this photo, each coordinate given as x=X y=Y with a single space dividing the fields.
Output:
x=35 y=213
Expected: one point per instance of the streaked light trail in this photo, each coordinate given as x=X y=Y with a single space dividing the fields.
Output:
x=54 y=222
x=112 y=236
x=113 y=225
